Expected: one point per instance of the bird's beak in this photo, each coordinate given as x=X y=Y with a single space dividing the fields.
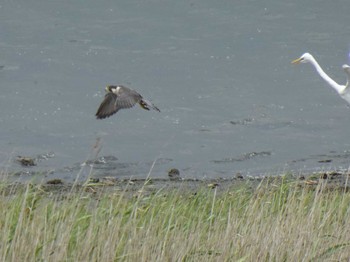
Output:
x=106 y=89
x=296 y=61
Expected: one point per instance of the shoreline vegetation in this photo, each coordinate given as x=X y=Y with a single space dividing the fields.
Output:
x=283 y=218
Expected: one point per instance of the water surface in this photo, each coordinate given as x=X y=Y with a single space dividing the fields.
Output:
x=219 y=71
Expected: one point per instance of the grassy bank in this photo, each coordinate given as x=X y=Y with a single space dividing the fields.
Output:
x=275 y=221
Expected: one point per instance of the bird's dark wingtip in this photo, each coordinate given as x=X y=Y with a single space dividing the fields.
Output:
x=100 y=116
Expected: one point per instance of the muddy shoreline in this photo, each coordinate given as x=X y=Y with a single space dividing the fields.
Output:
x=135 y=186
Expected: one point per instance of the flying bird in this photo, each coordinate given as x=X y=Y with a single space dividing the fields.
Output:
x=342 y=90
x=120 y=97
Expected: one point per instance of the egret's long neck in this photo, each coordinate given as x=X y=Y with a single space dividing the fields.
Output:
x=326 y=78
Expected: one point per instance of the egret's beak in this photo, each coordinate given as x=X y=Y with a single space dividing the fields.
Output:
x=296 y=61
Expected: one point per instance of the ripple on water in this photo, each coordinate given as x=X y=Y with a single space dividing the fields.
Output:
x=244 y=157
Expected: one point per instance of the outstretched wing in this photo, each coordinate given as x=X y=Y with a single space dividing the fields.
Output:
x=127 y=98
x=108 y=106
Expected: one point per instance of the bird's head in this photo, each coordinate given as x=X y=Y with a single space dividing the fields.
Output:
x=110 y=89
x=305 y=58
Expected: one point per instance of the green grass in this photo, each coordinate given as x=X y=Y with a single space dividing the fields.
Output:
x=276 y=221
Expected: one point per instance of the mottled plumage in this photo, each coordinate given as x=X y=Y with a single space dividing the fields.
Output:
x=120 y=97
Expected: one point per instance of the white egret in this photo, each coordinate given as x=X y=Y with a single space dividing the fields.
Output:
x=120 y=97
x=342 y=90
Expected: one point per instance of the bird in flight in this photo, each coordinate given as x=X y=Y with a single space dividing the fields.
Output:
x=120 y=97
x=342 y=90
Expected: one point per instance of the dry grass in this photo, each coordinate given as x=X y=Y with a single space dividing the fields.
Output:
x=278 y=221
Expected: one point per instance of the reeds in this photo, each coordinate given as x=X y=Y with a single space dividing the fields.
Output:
x=276 y=221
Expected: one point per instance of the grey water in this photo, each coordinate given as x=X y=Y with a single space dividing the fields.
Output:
x=231 y=102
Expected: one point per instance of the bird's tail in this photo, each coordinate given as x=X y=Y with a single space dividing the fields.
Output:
x=145 y=104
